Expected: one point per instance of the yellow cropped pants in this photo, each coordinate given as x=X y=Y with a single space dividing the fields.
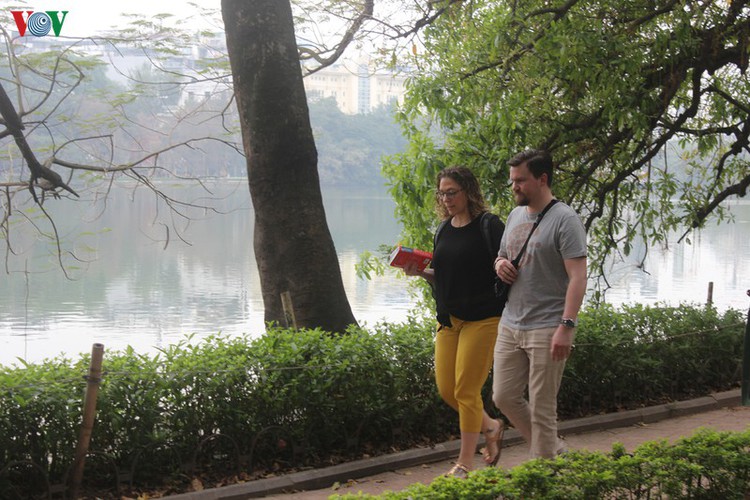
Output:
x=463 y=358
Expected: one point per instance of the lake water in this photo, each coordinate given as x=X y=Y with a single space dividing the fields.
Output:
x=131 y=286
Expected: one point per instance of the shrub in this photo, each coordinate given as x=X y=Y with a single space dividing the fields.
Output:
x=291 y=399
x=709 y=464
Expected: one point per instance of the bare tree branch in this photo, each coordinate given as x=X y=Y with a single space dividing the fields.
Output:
x=38 y=171
x=352 y=30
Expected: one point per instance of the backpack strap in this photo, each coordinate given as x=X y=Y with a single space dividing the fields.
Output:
x=484 y=224
x=439 y=230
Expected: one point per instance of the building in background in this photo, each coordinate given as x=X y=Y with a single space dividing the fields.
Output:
x=357 y=87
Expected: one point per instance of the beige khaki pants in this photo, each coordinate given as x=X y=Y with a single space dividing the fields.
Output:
x=523 y=359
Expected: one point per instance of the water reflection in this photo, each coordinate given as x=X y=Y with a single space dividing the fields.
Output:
x=681 y=272
x=142 y=289
x=140 y=284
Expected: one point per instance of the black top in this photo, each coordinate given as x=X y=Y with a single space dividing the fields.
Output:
x=464 y=274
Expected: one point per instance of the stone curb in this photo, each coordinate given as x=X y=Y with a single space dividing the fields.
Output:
x=321 y=478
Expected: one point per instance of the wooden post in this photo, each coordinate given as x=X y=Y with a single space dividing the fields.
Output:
x=286 y=304
x=710 y=296
x=89 y=414
x=746 y=362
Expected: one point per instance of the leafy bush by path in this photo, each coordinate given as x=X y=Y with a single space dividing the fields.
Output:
x=291 y=399
x=640 y=355
x=709 y=465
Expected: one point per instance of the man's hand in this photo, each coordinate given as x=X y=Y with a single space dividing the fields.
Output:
x=562 y=343
x=506 y=271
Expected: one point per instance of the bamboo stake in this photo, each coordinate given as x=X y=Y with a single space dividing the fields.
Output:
x=286 y=304
x=746 y=362
x=89 y=414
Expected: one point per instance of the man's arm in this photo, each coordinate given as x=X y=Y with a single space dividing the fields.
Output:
x=576 y=269
x=562 y=340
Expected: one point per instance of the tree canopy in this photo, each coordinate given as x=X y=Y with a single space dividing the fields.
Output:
x=643 y=104
x=140 y=129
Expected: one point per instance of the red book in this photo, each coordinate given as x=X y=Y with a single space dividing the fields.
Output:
x=401 y=255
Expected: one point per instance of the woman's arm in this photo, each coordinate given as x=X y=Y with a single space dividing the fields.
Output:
x=411 y=269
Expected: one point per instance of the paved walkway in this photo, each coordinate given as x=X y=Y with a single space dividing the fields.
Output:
x=398 y=471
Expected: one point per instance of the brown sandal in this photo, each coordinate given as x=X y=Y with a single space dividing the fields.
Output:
x=493 y=439
x=459 y=471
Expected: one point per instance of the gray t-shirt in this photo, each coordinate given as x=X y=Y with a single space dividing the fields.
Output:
x=537 y=298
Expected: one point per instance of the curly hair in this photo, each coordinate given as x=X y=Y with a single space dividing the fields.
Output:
x=470 y=185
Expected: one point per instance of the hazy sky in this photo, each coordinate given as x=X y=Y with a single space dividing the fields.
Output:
x=87 y=17
x=91 y=18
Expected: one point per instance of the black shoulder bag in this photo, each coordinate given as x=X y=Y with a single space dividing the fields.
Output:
x=502 y=289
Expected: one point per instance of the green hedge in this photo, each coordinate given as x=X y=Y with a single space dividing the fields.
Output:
x=707 y=465
x=291 y=399
x=638 y=356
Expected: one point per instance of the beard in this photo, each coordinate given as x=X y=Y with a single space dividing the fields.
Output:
x=521 y=200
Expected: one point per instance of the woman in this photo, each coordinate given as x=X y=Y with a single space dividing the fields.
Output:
x=468 y=312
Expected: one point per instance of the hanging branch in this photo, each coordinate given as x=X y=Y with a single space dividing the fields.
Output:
x=305 y=53
x=41 y=175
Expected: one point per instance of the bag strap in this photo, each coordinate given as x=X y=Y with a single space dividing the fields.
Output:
x=517 y=260
x=439 y=230
x=485 y=225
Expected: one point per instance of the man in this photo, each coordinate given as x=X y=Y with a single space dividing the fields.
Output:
x=535 y=335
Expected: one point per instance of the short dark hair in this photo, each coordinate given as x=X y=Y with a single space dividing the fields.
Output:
x=539 y=162
x=469 y=183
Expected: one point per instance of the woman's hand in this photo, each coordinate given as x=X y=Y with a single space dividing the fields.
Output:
x=411 y=269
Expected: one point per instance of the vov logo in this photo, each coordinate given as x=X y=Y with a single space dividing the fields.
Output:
x=39 y=23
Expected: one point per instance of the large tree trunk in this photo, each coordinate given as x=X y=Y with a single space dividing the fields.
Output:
x=293 y=245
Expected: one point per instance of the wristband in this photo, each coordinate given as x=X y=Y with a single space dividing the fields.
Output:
x=568 y=322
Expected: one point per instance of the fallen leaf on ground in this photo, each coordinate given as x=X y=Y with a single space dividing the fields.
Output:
x=196 y=484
